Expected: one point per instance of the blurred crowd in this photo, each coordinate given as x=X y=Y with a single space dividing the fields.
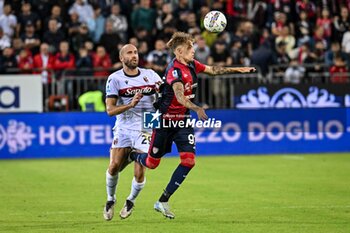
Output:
x=41 y=36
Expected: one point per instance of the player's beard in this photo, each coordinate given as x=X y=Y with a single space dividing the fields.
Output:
x=132 y=64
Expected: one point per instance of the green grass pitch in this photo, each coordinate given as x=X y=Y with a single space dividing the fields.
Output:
x=295 y=193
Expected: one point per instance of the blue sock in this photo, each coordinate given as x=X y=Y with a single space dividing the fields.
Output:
x=176 y=180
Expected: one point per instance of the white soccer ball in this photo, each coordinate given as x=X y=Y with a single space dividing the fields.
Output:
x=215 y=21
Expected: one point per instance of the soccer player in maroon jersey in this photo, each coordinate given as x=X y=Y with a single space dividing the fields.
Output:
x=175 y=103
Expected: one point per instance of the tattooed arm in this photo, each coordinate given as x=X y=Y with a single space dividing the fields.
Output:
x=215 y=70
x=179 y=91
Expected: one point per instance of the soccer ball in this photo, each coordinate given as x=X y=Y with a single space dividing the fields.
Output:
x=215 y=21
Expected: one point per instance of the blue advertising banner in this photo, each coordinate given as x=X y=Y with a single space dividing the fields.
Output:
x=55 y=135
x=266 y=131
x=257 y=96
x=271 y=131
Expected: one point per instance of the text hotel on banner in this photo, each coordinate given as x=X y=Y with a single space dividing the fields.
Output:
x=21 y=93
x=268 y=131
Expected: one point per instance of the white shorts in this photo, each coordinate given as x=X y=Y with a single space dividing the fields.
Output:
x=134 y=139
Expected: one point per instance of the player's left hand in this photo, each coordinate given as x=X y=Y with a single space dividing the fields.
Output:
x=201 y=114
x=246 y=69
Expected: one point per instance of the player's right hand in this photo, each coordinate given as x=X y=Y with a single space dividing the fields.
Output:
x=201 y=114
x=136 y=99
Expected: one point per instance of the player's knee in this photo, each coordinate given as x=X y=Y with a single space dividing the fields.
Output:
x=113 y=170
x=113 y=167
x=151 y=162
x=187 y=159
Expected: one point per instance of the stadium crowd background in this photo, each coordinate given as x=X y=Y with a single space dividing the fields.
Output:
x=81 y=34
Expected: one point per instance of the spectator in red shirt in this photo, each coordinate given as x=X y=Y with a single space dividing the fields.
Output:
x=101 y=60
x=319 y=36
x=307 y=6
x=326 y=22
x=339 y=72
x=64 y=59
x=25 y=61
x=43 y=63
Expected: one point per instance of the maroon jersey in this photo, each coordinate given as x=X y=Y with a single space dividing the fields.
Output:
x=338 y=74
x=186 y=74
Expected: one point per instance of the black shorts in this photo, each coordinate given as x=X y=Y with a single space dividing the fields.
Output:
x=162 y=140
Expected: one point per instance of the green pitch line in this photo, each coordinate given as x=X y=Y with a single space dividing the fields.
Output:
x=308 y=194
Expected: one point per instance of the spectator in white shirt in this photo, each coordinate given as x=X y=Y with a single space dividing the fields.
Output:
x=8 y=21
x=346 y=41
x=120 y=24
x=83 y=9
x=4 y=40
x=2 y=2
x=294 y=73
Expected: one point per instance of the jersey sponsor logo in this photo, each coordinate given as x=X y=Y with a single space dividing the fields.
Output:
x=131 y=91
x=145 y=90
x=146 y=79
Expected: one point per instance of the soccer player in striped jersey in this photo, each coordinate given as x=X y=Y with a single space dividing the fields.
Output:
x=129 y=92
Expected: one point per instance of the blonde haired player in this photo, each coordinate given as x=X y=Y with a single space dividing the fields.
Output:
x=129 y=92
x=178 y=90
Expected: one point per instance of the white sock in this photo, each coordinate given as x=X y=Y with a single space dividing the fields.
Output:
x=111 y=185
x=135 y=189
